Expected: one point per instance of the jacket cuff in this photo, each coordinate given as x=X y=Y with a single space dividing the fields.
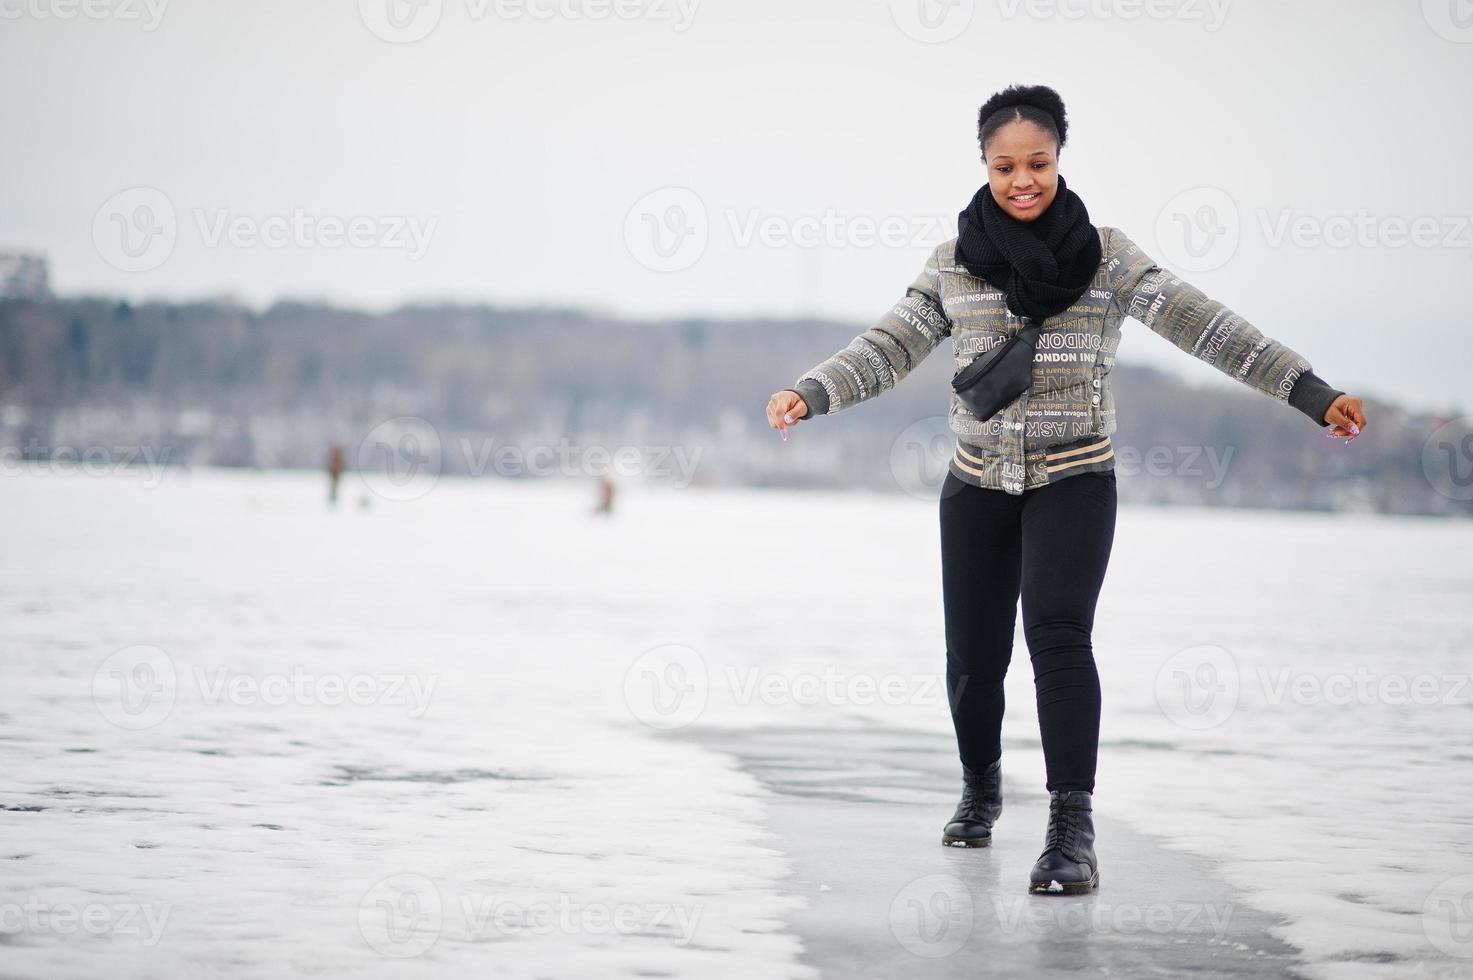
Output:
x=1312 y=396
x=813 y=395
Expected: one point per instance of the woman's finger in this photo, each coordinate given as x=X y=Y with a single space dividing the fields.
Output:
x=785 y=409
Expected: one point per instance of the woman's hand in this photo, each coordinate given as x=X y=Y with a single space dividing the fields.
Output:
x=1346 y=416
x=785 y=408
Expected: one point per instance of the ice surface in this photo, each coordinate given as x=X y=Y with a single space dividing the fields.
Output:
x=519 y=823
x=502 y=797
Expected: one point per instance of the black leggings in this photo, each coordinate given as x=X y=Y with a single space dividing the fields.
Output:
x=1051 y=545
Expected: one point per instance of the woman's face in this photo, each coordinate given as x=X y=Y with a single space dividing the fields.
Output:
x=1022 y=169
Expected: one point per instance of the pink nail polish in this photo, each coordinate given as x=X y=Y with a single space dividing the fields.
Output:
x=784 y=434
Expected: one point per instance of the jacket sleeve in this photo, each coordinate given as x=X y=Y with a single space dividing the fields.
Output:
x=1211 y=332
x=876 y=360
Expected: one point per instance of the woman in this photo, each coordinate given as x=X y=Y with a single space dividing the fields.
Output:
x=1028 y=502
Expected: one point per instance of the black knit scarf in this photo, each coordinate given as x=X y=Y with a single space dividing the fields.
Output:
x=1043 y=265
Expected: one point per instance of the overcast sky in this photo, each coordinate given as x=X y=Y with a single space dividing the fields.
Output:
x=1304 y=163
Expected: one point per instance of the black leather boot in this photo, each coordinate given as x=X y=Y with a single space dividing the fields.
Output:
x=1068 y=863
x=971 y=825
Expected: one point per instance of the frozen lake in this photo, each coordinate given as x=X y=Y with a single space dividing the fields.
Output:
x=247 y=735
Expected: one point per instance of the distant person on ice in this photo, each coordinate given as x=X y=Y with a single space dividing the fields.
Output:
x=335 y=468
x=1027 y=507
x=605 y=505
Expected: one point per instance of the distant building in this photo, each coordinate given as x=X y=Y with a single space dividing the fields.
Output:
x=23 y=276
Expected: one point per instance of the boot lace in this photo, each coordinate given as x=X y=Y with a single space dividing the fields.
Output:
x=977 y=794
x=1063 y=826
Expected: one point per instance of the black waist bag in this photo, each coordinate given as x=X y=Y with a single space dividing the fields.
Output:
x=993 y=380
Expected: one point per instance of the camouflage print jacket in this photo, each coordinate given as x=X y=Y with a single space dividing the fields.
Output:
x=1062 y=425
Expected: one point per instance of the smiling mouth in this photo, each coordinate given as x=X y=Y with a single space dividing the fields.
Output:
x=1025 y=199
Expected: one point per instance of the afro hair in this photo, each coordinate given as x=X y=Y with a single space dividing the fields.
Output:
x=1038 y=104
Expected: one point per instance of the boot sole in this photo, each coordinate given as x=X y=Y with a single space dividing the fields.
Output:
x=1063 y=887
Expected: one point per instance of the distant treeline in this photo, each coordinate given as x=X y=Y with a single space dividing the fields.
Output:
x=216 y=384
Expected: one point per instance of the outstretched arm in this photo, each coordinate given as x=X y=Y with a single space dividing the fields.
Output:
x=878 y=358
x=1211 y=332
